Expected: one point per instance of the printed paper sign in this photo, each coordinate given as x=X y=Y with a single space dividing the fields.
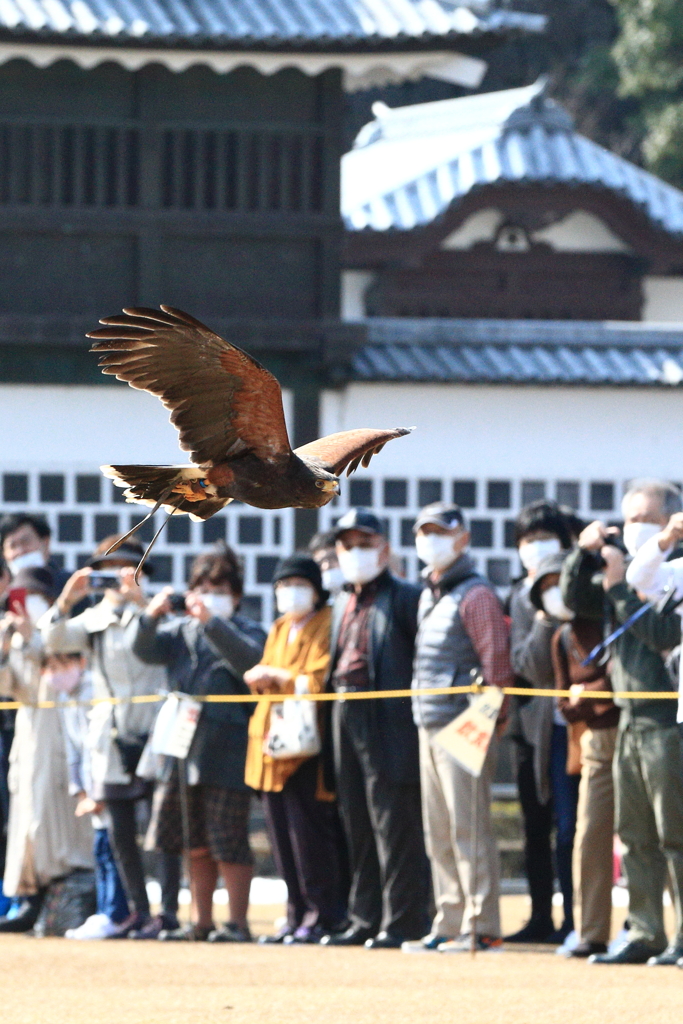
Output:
x=175 y=726
x=468 y=736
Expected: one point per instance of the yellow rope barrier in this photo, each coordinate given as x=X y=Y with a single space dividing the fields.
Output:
x=438 y=691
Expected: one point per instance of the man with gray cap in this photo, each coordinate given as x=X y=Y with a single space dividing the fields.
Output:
x=375 y=742
x=461 y=628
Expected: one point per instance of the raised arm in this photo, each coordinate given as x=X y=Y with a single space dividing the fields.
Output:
x=235 y=642
x=649 y=572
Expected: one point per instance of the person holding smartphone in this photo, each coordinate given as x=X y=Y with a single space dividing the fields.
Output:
x=118 y=732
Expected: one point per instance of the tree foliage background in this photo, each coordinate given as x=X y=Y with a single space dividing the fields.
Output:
x=616 y=65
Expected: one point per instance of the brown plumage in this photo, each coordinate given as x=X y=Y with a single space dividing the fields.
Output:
x=228 y=411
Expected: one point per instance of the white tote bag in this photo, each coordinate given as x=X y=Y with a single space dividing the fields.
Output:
x=293 y=728
x=176 y=725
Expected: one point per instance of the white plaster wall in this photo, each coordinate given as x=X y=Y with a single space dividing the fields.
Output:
x=354 y=285
x=46 y=426
x=530 y=432
x=663 y=299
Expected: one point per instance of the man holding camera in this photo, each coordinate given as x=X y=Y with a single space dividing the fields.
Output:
x=648 y=766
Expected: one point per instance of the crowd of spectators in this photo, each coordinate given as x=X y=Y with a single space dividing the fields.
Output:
x=375 y=825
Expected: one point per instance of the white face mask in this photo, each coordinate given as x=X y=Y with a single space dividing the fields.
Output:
x=359 y=565
x=436 y=549
x=637 y=534
x=551 y=599
x=221 y=605
x=333 y=579
x=31 y=560
x=533 y=552
x=65 y=680
x=297 y=599
x=36 y=606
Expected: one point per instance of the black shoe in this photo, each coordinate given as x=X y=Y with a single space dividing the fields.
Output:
x=669 y=958
x=189 y=933
x=133 y=923
x=306 y=935
x=385 y=940
x=586 y=949
x=230 y=932
x=277 y=938
x=629 y=953
x=535 y=931
x=353 y=936
x=25 y=919
x=154 y=927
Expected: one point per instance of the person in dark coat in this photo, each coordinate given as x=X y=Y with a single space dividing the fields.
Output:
x=207 y=652
x=374 y=621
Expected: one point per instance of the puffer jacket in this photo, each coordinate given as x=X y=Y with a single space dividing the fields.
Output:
x=444 y=653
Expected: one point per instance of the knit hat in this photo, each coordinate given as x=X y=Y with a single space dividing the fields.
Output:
x=546 y=567
x=301 y=565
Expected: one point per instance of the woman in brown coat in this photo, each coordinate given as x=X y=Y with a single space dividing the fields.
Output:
x=299 y=811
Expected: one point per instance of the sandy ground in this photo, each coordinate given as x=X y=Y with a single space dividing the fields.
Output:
x=52 y=981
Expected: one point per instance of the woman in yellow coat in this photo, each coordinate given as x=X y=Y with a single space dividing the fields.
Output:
x=299 y=812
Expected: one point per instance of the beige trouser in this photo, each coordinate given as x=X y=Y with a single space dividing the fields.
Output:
x=447 y=791
x=594 y=834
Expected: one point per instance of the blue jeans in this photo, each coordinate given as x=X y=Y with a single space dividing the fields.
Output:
x=111 y=898
x=565 y=789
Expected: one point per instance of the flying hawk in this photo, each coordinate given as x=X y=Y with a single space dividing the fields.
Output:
x=228 y=411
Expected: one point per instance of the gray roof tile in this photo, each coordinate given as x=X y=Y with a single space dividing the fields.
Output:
x=494 y=138
x=520 y=351
x=258 y=22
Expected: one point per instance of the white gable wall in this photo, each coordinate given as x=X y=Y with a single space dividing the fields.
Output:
x=589 y=440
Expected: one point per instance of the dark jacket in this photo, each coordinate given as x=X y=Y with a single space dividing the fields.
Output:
x=392 y=624
x=202 y=660
x=637 y=657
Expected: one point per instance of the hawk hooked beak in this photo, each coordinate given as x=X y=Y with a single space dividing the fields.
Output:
x=328 y=485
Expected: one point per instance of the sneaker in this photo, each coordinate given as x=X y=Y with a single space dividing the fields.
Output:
x=230 y=932
x=430 y=943
x=669 y=958
x=97 y=926
x=463 y=944
x=278 y=938
x=569 y=944
x=153 y=928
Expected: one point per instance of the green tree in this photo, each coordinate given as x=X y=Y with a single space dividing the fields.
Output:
x=649 y=56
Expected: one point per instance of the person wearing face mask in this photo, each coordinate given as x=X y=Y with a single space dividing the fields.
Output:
x=206 y=652
x=374 y=620
x=45 y=840
x=537 y=729
x=25 y=544
x=117 y=732
x=648 y=763
x=322 y=548
x=298 y=808
x=596 y=723
x=461 y=628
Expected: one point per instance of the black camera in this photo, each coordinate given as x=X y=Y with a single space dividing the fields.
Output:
x=177 y=603
x=101 y=581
